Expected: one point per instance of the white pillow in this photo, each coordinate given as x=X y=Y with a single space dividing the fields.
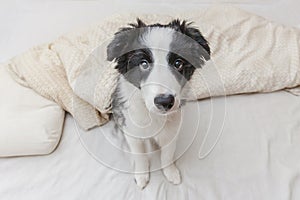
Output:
x=29 y=123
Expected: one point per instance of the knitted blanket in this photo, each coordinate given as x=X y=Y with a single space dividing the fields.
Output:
x=249 y=54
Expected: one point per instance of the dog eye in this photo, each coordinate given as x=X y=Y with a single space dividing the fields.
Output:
x=144 y=64
x=178 y=64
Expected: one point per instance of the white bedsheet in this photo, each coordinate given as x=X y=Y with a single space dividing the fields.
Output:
x=257 y=156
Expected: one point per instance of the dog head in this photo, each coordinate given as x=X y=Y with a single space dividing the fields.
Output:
x=159 y=60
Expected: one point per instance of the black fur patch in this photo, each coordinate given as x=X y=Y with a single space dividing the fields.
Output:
x=118 y=105
x=128 y=65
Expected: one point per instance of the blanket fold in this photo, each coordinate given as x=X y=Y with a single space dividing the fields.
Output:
x=249 y=54
x=41 y=69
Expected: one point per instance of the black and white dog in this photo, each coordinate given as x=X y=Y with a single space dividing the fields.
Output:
x=155 y=62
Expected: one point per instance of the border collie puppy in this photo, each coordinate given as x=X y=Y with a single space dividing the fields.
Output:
x=155 y=62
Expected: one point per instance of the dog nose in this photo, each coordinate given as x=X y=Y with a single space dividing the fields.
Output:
x=164 y=101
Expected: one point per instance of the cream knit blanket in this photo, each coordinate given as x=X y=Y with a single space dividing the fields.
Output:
x=249 y=54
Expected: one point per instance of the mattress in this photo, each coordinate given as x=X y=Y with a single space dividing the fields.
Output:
x=238 y=147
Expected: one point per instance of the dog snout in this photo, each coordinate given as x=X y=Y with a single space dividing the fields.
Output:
x=164 y=102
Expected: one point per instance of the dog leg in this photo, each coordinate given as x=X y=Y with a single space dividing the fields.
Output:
x=167 y=161
x=167 y=143
x=141 y=163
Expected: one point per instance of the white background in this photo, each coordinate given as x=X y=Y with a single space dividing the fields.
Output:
x=24 y=23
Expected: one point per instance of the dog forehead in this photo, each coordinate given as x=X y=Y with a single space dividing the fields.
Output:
x=158 y=38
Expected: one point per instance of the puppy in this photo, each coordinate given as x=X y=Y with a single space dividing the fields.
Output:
x=155 y=62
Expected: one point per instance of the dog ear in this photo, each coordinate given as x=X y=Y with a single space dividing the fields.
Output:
x=186 y=28
x=196 y=35
x=122 y=40
x=117 y=46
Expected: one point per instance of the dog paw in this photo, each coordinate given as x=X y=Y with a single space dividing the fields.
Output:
x=141 y=180
x=172 y=174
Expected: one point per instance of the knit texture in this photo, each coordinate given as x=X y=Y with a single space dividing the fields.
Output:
x=249 y=54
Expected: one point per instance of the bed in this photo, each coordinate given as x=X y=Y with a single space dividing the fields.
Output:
x=244 y=146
